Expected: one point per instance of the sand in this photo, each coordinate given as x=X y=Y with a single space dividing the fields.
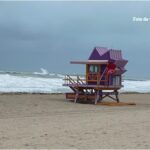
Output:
x=50 y=121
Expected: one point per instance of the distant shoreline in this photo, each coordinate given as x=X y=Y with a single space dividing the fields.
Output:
x=20 y=93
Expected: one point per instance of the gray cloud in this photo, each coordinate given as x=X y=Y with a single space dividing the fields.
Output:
x=50 y=34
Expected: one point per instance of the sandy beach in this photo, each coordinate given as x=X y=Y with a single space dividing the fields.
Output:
x=50 y=121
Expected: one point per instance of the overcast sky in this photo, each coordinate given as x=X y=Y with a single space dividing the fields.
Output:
x=50 y=34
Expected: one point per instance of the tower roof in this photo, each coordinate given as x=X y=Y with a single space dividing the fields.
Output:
x=103 y=53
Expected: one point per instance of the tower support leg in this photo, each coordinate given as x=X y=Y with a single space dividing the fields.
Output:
x=98 y=96
x=117 y=97
x=76 y=96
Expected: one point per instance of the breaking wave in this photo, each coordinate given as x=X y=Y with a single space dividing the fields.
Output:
x=46 y=82
x=43 y=72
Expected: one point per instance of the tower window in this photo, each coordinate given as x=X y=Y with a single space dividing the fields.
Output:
x=94 y=68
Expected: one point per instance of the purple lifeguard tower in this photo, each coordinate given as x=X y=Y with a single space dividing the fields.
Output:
x=103 y=77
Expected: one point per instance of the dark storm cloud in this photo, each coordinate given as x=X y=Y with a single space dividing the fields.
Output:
x=50 y=34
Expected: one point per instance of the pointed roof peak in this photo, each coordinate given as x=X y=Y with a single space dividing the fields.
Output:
x=101 y=50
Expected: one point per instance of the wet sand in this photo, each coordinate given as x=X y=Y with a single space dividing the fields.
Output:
x=50 y=121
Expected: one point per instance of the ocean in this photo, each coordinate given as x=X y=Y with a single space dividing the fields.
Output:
x=46 y=82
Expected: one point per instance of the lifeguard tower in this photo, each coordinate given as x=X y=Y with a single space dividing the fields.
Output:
x=103 y=77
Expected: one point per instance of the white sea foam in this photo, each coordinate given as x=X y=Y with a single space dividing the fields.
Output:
x=43 y=72
x=60 y=76
x=10 y=83
x=53 y=84
x=136 y=86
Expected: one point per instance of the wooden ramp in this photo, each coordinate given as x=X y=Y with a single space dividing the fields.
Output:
x=115 y=104
x=104 y=103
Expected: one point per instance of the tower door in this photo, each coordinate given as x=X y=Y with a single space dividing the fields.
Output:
x=93 y=73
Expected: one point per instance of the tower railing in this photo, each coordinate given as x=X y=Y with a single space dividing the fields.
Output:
x=74 y=79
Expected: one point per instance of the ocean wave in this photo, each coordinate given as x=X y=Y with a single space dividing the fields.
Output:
x=60 y=76
x=46 y=82
x=9 y=83
x=43 y=72
x=141 y=86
